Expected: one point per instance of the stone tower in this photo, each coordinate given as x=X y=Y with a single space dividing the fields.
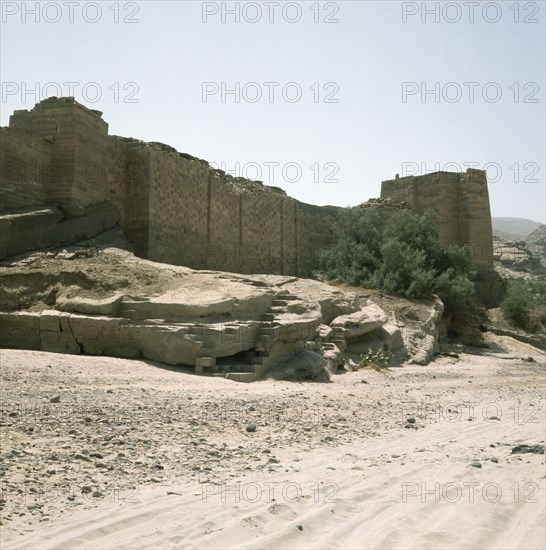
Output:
x=461 y=203
x=69 y=172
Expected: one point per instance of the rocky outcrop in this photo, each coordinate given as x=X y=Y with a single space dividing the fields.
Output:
x=305 y=365
x=423 y=343
x=412 y=332
x=360 y=322
x=515 y=255
x=387 y=338
x=106 y=306
x=489 y=286
x=496 y=323
x=99 y=300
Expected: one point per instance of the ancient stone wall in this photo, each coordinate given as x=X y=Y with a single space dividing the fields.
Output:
x=36 y=228
x=178 y=203
x=177 y=209
x=461 y=203
x=24 y=161
x=317 y=228
x=202 y=218
x=130 y=189
x=476 y=226
x=174 y=208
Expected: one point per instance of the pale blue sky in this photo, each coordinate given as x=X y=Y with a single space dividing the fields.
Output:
x=370 y=133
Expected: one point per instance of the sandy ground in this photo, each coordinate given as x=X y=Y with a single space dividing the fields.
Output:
x=105 y=453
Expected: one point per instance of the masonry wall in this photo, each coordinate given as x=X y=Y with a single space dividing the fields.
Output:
x=318 y=227
x=174 y=208
x=90 y=184
x=24 y=161
x=129 y=189
x=291 y=245
x=475 y=209
x=461 y=203
x=202 y=218
x=178 y=191
x=262 y=232
x=177 y=209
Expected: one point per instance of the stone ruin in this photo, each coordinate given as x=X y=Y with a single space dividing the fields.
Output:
x=59 y=159
x=461 y=203
x=65 y=179
x=59 y=162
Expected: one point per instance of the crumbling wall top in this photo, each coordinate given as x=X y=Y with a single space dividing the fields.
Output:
x=385 y=203
x=55 y=103
x=472 y=172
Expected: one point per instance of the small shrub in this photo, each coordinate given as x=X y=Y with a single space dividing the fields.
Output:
x=376 y=359
x=523 y=305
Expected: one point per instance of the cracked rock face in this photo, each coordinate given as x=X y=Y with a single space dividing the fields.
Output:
x=108 y=302
x=526 y=255
x=360 y=322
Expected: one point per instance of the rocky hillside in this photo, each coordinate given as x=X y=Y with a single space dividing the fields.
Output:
x=513 y=228
x=522 y=259
x=518 y=257
x=525 y=253
x=537 y=240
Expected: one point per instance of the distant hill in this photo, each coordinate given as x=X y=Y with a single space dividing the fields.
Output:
x=513 y=228
x=537 y=237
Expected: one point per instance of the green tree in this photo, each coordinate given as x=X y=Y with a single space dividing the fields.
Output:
x=405 y=258
x=357 y=255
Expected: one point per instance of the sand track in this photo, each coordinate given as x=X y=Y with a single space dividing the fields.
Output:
x=385 y=486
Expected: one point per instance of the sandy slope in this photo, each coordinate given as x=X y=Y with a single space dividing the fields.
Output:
x=357 y=478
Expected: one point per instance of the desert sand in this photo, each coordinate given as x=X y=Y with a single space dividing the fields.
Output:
x=104 y=453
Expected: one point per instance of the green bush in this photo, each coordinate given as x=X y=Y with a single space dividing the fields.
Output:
x=524 y=304
x=404 y=259
x=357 y=255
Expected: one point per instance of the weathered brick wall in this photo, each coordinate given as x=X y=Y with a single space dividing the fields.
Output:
x=116 y=176
x=91 y=159
x=178 y=204
x=128 y=185
x=262 y=224
x=439 y=191
x=24 y=162
x=461 y=203
x=224 y=216
x=292 y=246
x=318 y=227
x=54 y=121
x=174 y=208
x=204 y=219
